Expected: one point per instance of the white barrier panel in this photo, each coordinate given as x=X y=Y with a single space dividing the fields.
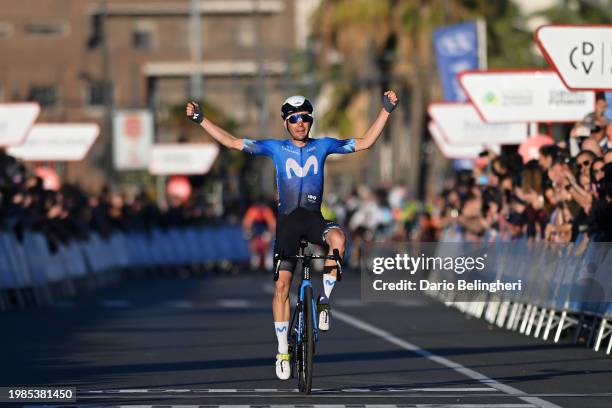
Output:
x=16 y=119
x=581 y=55
x=132 y=139
x=188 y=158
x=57 y=142
x=525 y=96
x=460 y=124
x=453 y=151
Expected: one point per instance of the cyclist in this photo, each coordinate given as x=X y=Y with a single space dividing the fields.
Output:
x=299 y=164
x=258 y=224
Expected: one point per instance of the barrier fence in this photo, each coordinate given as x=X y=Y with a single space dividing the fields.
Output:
x=565 y=288
x=31 y=273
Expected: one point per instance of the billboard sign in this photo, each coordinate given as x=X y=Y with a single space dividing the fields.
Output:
x=581 y=55
x=16 y=119
x=182 y=158
x=460 y=124
x=454 y=151
x=525 y=96
x=132 y=139
x=57 y=142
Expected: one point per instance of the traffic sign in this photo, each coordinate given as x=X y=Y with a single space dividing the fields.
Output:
x=454 y=151
x=16 y=119
x=460 y=124
x=503 y=96
x=57 y=142
x=581 y=55
x=182 y=158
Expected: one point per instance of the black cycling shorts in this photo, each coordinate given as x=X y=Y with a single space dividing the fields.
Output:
x=300 y=222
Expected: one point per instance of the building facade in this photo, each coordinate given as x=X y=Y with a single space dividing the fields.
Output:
x=74 y=56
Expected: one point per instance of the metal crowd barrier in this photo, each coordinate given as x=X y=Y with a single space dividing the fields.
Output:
x=30 y=273
x=565 y=287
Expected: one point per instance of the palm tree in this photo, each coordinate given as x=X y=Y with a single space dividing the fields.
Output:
x=367 y=46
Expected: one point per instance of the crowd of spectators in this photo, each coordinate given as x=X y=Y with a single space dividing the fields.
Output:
x=71 y=214
x=565 y=195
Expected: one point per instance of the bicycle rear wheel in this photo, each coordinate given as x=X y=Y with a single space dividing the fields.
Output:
x=307 y=347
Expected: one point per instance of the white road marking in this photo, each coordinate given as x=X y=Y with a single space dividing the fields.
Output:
x=308 y=405
x=235 y=303
x=290 y=390
x=443 y=389
x=378 y=332
x=362 y=325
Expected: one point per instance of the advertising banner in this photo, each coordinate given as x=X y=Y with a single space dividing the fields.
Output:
x=132 y=139
x=581 y=55
x=456 y=49
x=57 y=142
x=460 y=124
x=525 y=96
x=16 y=119
x=182 y=159
x=453 y=151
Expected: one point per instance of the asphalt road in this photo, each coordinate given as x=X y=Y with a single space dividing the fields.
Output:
x=210 y=341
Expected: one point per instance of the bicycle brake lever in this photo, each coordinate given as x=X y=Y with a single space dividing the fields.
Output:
x=338 y=264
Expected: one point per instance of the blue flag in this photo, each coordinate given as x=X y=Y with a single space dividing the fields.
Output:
x=456 y=49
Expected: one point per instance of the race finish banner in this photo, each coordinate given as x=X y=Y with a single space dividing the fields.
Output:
x=57 y=142
x=453 y=151
x=457 y=49
x=132 y=139
x=16 y=119
x=507 y=96
x=581 y=55
x=461 y=125
x=182 y=159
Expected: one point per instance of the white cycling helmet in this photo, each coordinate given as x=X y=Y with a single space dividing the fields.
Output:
x=295 y=103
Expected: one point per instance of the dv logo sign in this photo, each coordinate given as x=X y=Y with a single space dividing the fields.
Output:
x=581 y=55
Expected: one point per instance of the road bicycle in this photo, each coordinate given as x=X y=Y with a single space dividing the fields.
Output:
x=303 y=329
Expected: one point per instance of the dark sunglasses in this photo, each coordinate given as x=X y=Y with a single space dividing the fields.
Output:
x=585 y=163
x=306 y=118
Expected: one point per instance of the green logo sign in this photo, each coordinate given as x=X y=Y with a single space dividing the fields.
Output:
x=490 y=98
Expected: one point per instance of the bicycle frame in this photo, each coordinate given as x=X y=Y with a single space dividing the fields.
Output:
x=304 y=286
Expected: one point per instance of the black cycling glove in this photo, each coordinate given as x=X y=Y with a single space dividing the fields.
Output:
x=388 y=105
x=196 y=116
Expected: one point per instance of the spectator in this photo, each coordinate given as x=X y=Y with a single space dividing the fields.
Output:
x=584 y=161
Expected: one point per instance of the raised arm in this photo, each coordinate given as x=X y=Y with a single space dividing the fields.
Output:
x=194 y=113
x=369 y=138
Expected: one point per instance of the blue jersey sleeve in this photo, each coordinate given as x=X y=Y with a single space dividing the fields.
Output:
x=259 y=147
x=340 y=146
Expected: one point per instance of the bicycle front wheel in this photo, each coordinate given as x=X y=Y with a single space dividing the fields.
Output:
x=307 y=344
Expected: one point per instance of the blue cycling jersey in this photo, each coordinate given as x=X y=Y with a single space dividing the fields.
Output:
x=299 y=170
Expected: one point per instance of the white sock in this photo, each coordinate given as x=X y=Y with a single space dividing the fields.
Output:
x=329 y=281
x=281 y=329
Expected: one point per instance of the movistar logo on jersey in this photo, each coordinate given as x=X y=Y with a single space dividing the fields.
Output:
x=291 y=166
